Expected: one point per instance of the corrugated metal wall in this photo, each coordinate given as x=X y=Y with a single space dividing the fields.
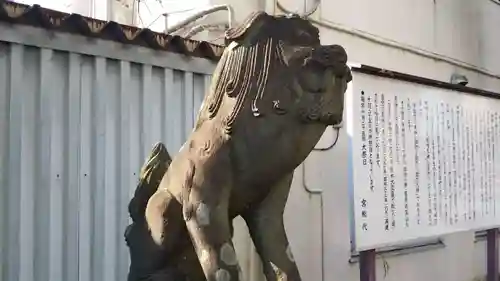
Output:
x=74 y=131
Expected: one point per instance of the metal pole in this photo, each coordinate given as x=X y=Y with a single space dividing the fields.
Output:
x=109 y=10
x=367 y=265
x=165 y=15
x=492 y=254
x=201 y=14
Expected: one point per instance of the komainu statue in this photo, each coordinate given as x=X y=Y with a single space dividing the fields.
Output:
x=273 y=93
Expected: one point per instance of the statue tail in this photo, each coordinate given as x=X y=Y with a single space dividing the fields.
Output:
x=150 y=177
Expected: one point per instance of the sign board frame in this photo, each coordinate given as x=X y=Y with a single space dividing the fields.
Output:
x=422 y=161
x=367 y=256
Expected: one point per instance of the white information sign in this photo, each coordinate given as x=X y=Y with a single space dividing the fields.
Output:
x=424 y=161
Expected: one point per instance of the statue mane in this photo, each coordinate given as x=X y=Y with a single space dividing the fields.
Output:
x=254 y=56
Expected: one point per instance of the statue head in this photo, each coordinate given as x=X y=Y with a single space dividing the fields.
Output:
x=317 y=82
x=277 y=64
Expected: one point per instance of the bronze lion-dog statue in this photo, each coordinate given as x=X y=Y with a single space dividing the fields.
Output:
x=273 y=93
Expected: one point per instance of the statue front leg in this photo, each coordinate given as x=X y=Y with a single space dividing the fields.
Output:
x=266 y=227
x=209 y=227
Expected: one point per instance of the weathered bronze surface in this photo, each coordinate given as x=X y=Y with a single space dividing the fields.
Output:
x=273 y=93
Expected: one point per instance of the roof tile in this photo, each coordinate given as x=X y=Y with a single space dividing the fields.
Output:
x=37 y=16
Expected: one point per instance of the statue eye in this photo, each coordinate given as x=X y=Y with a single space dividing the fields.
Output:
x=313 y=78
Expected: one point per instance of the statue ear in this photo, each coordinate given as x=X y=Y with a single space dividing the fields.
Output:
x=152 y=173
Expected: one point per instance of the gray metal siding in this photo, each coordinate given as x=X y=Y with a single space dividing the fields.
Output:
x=74 y=131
